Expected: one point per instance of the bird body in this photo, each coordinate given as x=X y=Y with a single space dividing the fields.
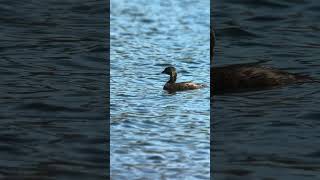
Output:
x=249 y=76
x=172 y=86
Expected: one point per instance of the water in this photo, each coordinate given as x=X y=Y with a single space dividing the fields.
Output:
x=272 y=134
x=53 y=93
x=156 y=135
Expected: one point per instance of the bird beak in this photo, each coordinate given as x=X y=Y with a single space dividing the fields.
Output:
x=163 y=72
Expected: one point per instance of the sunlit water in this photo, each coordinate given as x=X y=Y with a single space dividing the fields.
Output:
x=271 y=134
x=53 y=90
x=156 y=135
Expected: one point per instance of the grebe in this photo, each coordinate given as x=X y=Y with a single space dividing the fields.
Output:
x=247 y=77
x=171 y=86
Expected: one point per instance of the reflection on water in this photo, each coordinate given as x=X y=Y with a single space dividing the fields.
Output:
x=154 y=134
x=270 y=134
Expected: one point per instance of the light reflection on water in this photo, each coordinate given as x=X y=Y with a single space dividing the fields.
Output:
x=155 y=134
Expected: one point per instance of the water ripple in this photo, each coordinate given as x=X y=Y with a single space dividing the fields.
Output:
x=272 y=133
x=155 y=134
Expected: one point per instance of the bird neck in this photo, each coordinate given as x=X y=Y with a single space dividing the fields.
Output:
x=173 y=77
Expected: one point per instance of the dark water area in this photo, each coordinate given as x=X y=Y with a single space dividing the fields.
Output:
x=53 y=89
x=270 y=134
x=156 y=135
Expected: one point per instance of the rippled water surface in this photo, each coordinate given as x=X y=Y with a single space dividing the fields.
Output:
x=53 y=75
x=156 y=135
x=271 y=134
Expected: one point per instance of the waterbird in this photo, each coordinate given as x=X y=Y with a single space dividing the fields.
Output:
x=171 y=85
x=249 y=76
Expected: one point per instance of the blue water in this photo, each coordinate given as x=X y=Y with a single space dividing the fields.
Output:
x=272 y=134
x=53 y=89
x=156 y=135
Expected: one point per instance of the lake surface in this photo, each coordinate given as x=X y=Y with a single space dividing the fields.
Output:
x=53 y=90
x=272 y=134
x=156 y=135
